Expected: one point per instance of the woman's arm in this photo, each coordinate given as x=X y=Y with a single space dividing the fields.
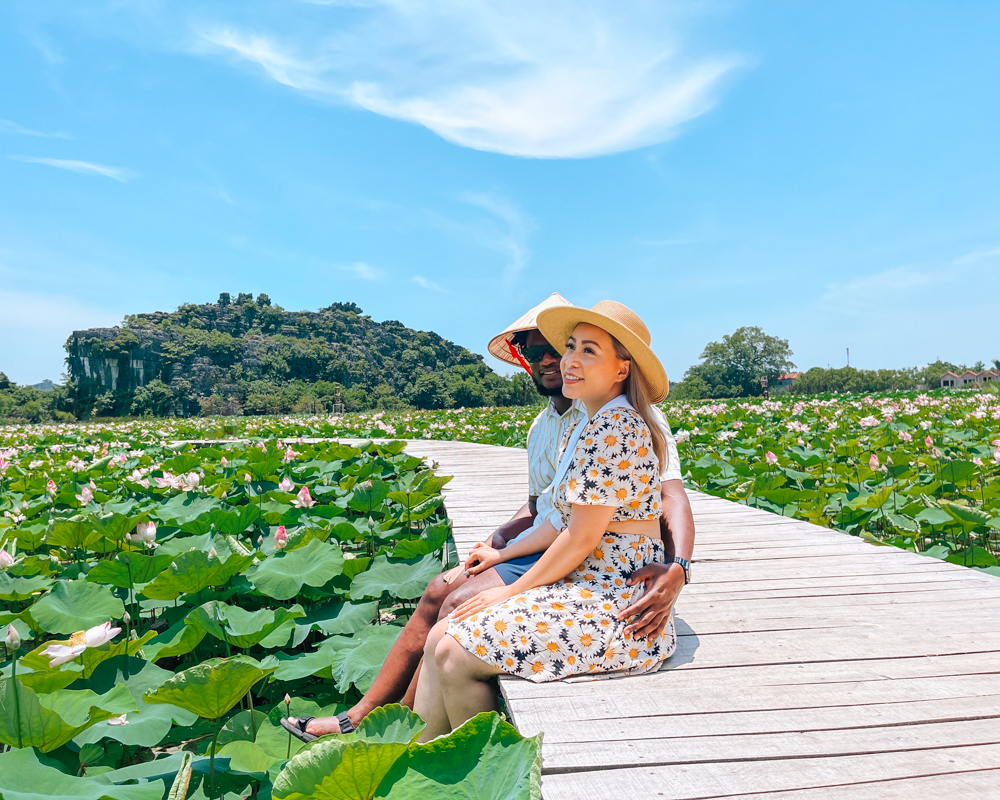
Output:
x=587 y=524
x=535 y=542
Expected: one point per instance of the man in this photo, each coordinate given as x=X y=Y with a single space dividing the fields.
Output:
x=523 y=344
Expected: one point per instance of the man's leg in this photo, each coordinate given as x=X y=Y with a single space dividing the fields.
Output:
x=403 y=659
x=466 y=590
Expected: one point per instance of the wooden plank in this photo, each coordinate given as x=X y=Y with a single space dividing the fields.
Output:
x=728 y=778
x=976 y=785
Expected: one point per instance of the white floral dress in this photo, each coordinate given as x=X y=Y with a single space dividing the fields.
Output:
x=571 y=627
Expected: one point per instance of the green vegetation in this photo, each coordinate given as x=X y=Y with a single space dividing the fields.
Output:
x=162 y=596
x=252 y=357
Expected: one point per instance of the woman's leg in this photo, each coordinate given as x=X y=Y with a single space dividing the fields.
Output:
x=428 y=702
x=464 y=680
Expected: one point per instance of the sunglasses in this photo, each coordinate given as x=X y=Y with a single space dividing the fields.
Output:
x=534 y=353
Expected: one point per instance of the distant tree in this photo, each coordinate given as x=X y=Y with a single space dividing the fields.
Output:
x=4 y=381
x=734 y=366
x=931 y=374
x=430 y=391
x=848 y=380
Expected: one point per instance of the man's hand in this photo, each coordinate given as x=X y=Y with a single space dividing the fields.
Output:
x=663 y=584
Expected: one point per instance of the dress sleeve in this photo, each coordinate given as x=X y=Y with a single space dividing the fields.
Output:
x=604 y=464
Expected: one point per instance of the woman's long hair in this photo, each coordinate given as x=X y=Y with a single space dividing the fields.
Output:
x=637 y=393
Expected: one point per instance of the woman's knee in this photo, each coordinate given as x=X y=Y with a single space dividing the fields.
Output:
x=438 y=632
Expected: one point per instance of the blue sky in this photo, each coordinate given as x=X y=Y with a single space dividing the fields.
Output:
x=828 y=171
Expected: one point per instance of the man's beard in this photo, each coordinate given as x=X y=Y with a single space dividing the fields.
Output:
x=545 y=391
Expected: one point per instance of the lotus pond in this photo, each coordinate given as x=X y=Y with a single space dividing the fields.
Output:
x=166 y=604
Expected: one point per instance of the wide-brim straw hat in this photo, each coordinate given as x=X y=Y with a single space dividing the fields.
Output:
x=557 y=324
x=498 y=345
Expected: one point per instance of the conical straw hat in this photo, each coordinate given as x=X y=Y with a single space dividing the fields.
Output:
x=498 y=344
x=557 y=324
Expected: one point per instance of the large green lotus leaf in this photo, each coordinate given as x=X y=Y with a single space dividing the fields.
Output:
x=21 y=589
x=282 y=576
x=969 y=518
x=303 y=665
x=335 y=769
x=75 y=606
x=211 y=688
x=424 y=509
x=429 y=541
x=935 y=517
x=178 y=640
x=403 y=579
x=242 y=727
x=974 y=557
x=44 y=681
x=360 y=663
x=343 y=618
x=185 y=507
x=248 y=757
x=93 y=656
x=192 y=572
x=165 y=768
x=48 y=721
x=368 y=498
x=235 y=521
x=182 y=544
x=144 y=569
x=75 y=534
x=391 y=723
x=23 y=776
x=239 y=627
x=114 y=526
x=484 y=759
x=955 y=472
x=407 y=499
x=152 y=722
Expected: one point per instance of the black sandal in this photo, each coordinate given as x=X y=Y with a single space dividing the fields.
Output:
x=298 y=728
x=346 y=726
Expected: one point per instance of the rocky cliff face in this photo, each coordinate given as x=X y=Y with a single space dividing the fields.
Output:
x=115 y=360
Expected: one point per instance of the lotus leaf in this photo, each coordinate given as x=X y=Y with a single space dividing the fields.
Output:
x=335 y=769
x=73 y=606
x=144 y=568
x=248 y=758
x=152 y=722
x=93 y=656
x=282 y=576
x=185 y=507
x=23 y=776
x=484 y=759
x=239 y=627
x=177 y=640
x=430 y=540
x=404 y=579
x=360 y=662
x=192 y=572
x=48 y=721
x=19 y=589
x=211 y=688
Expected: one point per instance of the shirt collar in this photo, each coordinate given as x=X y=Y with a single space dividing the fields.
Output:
x=576 y=407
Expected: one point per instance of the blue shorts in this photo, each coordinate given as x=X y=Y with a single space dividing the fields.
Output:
x=510 y=571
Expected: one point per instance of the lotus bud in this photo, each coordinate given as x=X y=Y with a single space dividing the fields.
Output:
x=225 y=462
x=286 y=486
x=50 y=487
x=280 y=538
x=85 y=496
x=127 y=618
x=873 y=462
x=288 y=700
x=212 y=553
x=6 y=559
x=13 y=640
x=246 y=477
x=771 y=458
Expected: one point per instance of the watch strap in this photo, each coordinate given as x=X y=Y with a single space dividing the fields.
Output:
x=686 y=565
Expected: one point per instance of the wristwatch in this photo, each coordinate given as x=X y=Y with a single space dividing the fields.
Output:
x=687 y=568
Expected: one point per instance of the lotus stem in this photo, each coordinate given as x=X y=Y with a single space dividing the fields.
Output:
x=211 y=766
x=17 y=699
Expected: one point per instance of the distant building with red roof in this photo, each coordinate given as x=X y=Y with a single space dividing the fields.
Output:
x=969 y=377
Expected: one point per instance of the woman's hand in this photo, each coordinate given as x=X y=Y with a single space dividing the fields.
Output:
x=482 y=558
x=485 y=599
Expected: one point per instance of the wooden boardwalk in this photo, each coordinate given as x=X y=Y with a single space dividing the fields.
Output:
x=809 y=665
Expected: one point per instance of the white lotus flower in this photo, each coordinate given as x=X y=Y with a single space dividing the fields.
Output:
x=99 y=634
x=61 y=653
x=6 y=559
x=192 y=481
x=145 y=533
x=122 y=720
x=286 y=486
x=13 y=640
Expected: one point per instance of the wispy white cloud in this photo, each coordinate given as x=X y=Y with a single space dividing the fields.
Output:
x=509 y=232
x=549 y=80
x=83 y=167
x=6 y=126
x=421 y=281
x=360 y=269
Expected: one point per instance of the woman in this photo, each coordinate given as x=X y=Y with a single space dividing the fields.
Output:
x=560 y=618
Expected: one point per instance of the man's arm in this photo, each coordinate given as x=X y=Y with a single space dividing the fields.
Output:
x=663 y=581
x=521 y=521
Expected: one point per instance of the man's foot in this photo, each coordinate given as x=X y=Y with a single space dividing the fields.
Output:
x=314 y=727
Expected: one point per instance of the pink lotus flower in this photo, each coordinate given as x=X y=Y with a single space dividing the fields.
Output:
x=85 y=496
x=286 y=486
x=289 y=455
x=977 y=461
x=873 y=462
x=191 y=482
x=145 y=533
x=225 y=462
x=6 y=559
x=61 y=653
x=246 y=477
x=771 y=458
x=280 y=538
x=4 y=463
x=996 y=454
x=303 y=499
x=50 y=487
x=929 y=441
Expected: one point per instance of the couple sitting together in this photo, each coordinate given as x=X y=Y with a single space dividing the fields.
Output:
x=583 y=578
